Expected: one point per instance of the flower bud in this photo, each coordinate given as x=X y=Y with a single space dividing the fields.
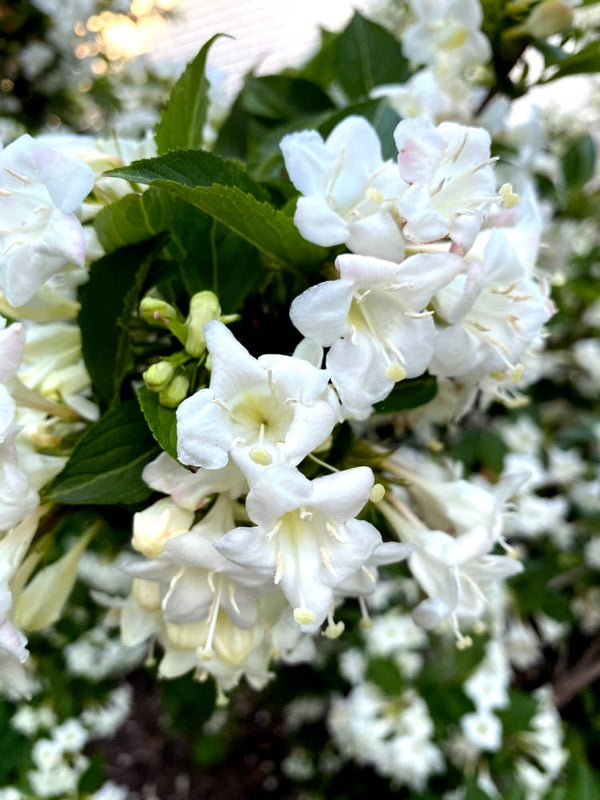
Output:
x=175 y=393
x=158 y=376
x=155 y=311
x=548 y=18
x=155 y=525
x=204 y=306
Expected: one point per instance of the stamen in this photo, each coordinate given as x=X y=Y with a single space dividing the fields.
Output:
x=418 y=314
x=333 y=532
x=274 y=531
x=305 y=514
x=304 y=616
x=19 y=177
x=207 y=652
x=327 y=561
x=261 y=456
x=365 y=619
x=232 y=598
x=369 y=573
x=221 y=403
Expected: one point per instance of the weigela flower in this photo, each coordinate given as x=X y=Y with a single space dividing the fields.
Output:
x=348 y=190
x=494 y=313
x=306 y=537
x=261 y=411
x=373 y=319
x=39 y=191
x=451 y=180
x=451 y=568
x=448 y=31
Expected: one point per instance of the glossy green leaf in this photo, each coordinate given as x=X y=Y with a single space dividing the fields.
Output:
x=191 y=168
x=182 y=122
x=368 y=56
x=408 y=394
x=108 y=301
x=161 y=421
x=106 y=465
x=226 y=193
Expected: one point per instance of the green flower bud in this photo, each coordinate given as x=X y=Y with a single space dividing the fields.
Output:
x=155 y=311
x=158 y=376
x=204 y=306
x=175 y=393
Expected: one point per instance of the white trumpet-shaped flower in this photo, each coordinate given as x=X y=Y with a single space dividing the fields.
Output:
x=451 y=180
x=375 y=322
x=39 y=233
x=348 y=189
x=261 y=411
x=306 y=536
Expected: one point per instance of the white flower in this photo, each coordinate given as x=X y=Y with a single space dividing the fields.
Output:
x=306 y=537
x=39 y=191
x=450 y=177
x=448 y=31
x=451 y=569
x=71 y=736
x=261 y=411
x=493 y=313
x=347 y=189
x=46 y=754
x=373 y=320
x=483 y=729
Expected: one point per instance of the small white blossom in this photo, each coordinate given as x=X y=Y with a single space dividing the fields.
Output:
x=348 y=190
x=260 y=411
x=39 y=191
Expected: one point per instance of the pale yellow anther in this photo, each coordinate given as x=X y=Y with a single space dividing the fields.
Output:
x=395 y=372
x=377 y=493
x=435 y=445
x=517 y=373
x=261 y=456
x=304 y=616
x=334 y=630
x=509 y=198
x=374 y=195
x=464 y=643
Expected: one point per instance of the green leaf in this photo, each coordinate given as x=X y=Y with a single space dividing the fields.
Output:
x=579 y=163
x=587 y=60
x=478 y=448
x=182 y=122
x=408 y=394
x=283 y=98
x=161 y=421
x=190 y=168
x=106 y=464
x=384 y=674
x=226 y=193
x=367 y=56
x=583 y=782
x=108 y=300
